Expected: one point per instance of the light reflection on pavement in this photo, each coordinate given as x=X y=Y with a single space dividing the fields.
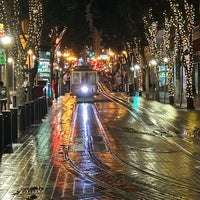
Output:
x=162 y=153
x=38 y=169
x=33 y=170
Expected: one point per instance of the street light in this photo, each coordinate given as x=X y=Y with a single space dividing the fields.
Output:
x=6 y=41
x=153 y=62
x=136 y=66
x=132 y=68
x=165 y=59
x=29 y=58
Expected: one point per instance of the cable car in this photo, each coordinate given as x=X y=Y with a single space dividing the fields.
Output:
x=83 y=83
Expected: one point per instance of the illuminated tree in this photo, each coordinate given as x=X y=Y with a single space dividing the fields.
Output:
x=183 y=22
x=151 y=31
x=140 y=62
x=161 y=51
x=12 y=15
x=169 y=55
x=134 y=59
x=55 y=36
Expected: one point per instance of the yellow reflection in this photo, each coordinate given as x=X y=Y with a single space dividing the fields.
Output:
x=85 y=119
x=68 y=105
x=192 y=124
x=61 y=131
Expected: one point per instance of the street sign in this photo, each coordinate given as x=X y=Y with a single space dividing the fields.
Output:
x=1 y=29
x=2 y=58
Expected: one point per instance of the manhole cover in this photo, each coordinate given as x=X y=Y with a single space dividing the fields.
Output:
x=78 y=147
x=98 y=147
x=97 y=138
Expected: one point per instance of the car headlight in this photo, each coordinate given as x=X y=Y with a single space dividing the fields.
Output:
x=84 y=89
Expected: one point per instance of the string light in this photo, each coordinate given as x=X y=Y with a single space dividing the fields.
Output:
x=169 y=64
x=151 y=27
x=184 y=45
x=183 y=42
x=12 y=25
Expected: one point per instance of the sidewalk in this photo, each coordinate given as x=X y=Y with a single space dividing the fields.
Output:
x=29 y=168
x=179 y=103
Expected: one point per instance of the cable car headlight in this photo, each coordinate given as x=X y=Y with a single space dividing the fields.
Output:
x=84 y=89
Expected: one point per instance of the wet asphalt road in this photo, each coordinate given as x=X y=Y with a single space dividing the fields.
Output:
x=151 y=153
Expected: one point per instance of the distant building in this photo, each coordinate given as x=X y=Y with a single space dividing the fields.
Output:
x=96 y=41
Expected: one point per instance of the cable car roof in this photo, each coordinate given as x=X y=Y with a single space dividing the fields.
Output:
x=83 y=68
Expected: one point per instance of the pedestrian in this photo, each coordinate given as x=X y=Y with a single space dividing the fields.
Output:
x=26 y=88
x=3 y=96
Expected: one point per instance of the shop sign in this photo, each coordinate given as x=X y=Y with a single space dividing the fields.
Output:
x=2 y=58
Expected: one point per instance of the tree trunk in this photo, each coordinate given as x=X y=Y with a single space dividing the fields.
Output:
x=20 y=88
x=147 y=82
x=190 y=103
x=33 y=73
x=171 y=100
x=157 y=90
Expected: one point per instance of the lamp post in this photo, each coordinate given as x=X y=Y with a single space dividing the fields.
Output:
x=29 y=76
x=132 y=76
x=165 y=59
x=56 y=81
x=136 y=79
x=154 y=63
x=10 y=62
x=131 y=82
x=6 y=41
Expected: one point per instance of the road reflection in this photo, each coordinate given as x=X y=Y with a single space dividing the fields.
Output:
x=136 y=104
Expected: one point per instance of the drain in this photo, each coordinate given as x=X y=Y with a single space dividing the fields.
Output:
x=29 y=190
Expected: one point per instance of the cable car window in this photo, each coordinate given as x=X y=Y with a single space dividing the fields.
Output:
x=91 y=77
x=84 y=77
x=76 y=77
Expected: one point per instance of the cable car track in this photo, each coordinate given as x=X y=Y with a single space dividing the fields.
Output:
x=128 y=104
x=105 y=174
x=106 y=178
x=150 y=172
x=163 y=131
